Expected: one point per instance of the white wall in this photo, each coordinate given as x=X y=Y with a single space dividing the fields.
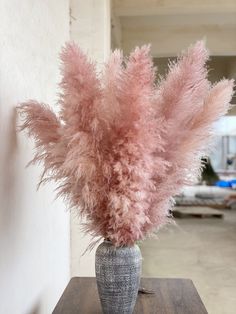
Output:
x=34 y=229
x=90 y=28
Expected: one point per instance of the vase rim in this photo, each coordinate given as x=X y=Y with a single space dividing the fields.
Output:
x=107 y=241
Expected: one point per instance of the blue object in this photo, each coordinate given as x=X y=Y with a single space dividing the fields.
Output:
x=226 y=184
x=233 y=184
x=223 y=184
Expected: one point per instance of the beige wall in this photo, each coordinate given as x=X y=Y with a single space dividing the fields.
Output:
x=34 y=229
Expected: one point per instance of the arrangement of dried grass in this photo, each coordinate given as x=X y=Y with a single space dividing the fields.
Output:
x=122 y=146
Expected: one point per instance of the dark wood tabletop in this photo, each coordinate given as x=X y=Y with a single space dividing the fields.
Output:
x=171 y=296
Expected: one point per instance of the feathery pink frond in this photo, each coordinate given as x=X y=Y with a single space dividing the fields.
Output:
x=124 y=147
x=181 y=93
x=131 y=152
x=44 y=126
x=216 y=104
x=80 y=87
x=112 y=89
x=40 y=122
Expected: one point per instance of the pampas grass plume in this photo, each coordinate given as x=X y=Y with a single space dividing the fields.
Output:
x=121 y=146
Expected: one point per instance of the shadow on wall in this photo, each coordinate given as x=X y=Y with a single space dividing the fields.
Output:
x=8 y=172
x=35 y=309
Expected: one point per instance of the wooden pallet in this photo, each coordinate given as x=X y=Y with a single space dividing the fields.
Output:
x=196 y=212
x=199 y=202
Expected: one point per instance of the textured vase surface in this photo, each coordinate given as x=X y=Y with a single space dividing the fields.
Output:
x=118 y=272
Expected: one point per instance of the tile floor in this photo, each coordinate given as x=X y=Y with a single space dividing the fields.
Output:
x=203 y=250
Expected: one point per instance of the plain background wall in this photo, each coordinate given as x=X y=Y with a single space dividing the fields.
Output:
x=34 y=229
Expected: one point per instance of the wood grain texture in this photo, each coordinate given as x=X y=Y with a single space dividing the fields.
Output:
x=172 y=296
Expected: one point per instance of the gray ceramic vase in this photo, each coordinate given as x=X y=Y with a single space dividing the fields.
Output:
x=118 y=272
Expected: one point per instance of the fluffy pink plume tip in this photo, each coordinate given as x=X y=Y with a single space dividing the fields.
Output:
x=122 y=147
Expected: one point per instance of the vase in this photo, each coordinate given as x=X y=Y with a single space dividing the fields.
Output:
x=118 y=271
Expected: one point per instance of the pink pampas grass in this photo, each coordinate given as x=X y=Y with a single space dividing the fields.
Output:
x=122 y=147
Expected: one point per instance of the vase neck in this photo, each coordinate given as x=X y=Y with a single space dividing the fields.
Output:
x=107 y=241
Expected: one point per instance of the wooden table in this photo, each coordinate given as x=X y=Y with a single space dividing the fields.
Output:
x=172 y=296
